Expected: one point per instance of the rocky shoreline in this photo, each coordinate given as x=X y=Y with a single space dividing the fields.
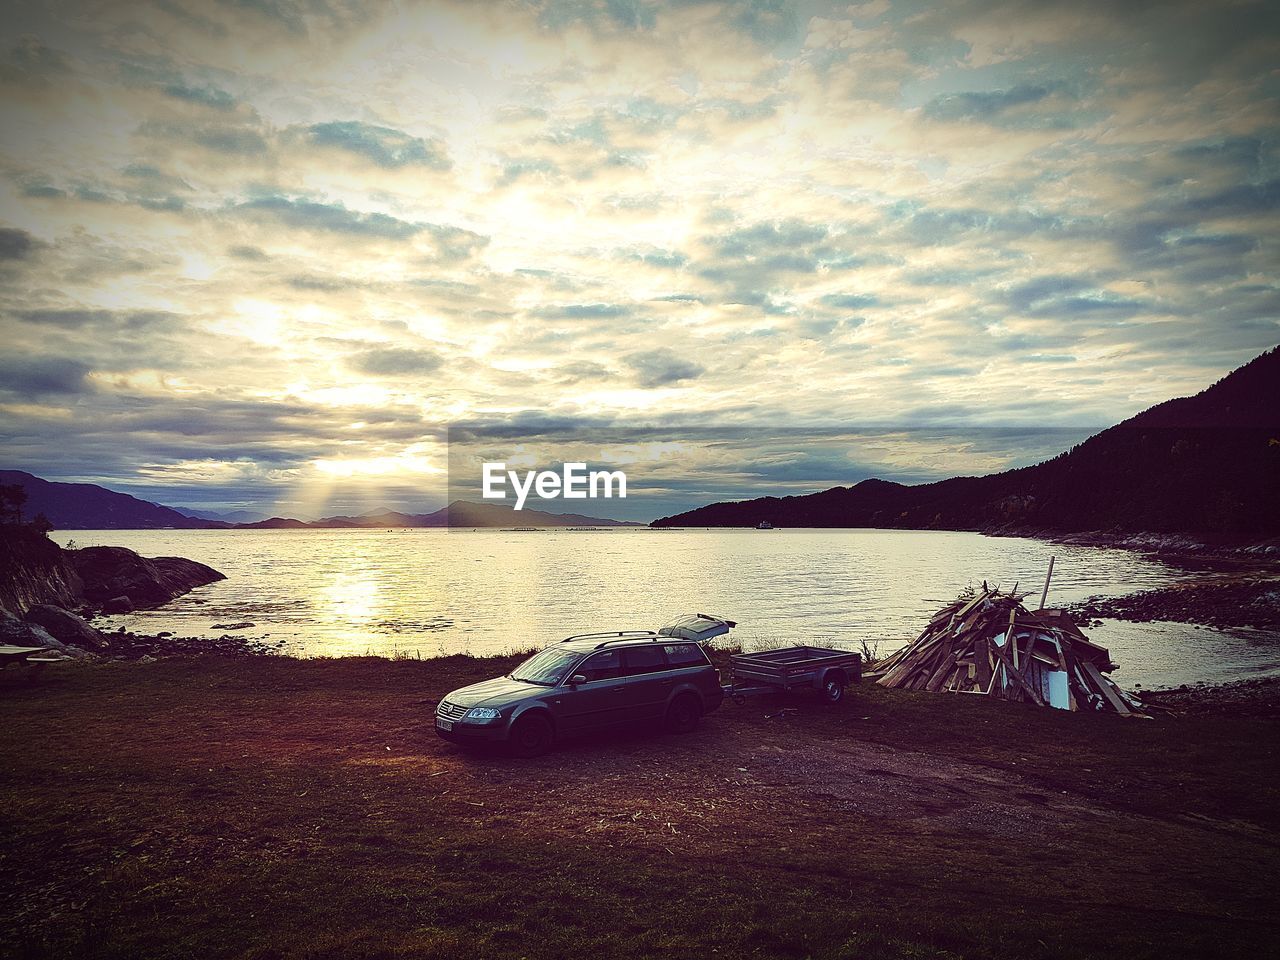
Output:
x=124 y=645
x=1258 y=697
x=1216 y=600
x=48 y=596
x=1166 y=546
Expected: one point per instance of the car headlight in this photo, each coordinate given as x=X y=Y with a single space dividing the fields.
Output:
x=482 y=713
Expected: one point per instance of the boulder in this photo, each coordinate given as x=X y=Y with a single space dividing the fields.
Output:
x=117 y=605
x=21 y=634
x=65 y=626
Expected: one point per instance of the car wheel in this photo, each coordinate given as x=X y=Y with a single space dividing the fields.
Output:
x=833 y=689
x=531 y=736
x=683 y=714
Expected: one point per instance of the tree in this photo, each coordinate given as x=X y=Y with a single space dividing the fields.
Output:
x=12 y=497
x=42 y=525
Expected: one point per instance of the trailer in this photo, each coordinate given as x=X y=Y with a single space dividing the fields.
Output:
x=793 y=668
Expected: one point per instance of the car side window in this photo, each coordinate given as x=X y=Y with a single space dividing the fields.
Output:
x=601 y=666
x=685 y=655
x=647 y=659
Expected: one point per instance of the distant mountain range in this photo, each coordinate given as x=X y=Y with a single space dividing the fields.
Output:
x=87 y=506
x=460 y=513
x=1207 y=465
x=229 y=516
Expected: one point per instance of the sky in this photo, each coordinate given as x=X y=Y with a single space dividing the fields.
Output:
x=303 y=256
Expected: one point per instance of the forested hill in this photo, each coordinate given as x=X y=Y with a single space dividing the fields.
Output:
x=87 y=506
x=1207 y=465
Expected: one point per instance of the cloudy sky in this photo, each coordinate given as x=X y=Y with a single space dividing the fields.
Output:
x=277 y=252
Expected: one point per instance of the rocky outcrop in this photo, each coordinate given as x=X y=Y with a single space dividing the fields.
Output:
x=35 y=571
x=111 y=572
x=66 y=626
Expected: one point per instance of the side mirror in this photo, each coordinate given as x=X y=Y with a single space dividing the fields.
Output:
x=576 y=679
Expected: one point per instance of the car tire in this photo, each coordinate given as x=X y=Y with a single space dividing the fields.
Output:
x=684 y=713
x=833 y=689
x=531 y=736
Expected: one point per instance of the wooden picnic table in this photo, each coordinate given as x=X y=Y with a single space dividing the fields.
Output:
x=9 y=653
x=35 y=659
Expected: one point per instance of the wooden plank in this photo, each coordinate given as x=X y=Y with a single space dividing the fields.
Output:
x=1016 y=675
x=982 y=664
x=964 y=611
x=1105 y=686
x=942 y=673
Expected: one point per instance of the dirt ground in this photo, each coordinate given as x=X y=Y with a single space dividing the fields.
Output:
x=277 y=808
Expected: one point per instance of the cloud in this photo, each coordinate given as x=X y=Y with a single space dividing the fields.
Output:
x=256 y=238
x=234 y=139
x=383 y=146
x=668 y=259
x=983 y=105
x=850 y=301
x=769 y=22
x=36 y=376
x=514 y=170
x=243 y=251
x=394 y=362
x=661 y=367
x=205 y=95
x=31 y=62
x=119 y=320
x=333 y=217
x=767 y=235
x=455 y=243
x=15 y=244
x=578 y=311
x=1244 y=153
x=152 y=178
x=301 y=17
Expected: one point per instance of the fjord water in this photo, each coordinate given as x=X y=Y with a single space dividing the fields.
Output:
x=433 y=592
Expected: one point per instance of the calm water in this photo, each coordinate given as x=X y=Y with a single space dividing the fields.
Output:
x=432 y=592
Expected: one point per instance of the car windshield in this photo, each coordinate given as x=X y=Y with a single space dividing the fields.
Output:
x=547 y=667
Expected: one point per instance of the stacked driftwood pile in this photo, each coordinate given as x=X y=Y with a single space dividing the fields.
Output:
x=986 y=642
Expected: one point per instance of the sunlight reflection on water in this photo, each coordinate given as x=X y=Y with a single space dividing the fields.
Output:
x=433 y=592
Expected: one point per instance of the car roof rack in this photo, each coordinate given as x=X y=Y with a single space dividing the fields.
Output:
x=615 y=634
x=644 y=635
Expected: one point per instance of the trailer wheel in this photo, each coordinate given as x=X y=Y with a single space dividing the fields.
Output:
x=833 y=687
x=683 y=714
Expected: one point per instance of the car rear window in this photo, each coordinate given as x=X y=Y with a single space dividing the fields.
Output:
x=647 y=659
x=685 y=655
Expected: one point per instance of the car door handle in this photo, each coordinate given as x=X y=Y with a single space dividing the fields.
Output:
x=618 y=689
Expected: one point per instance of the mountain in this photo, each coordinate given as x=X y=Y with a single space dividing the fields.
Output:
x=464 y=513
x=1207 y=465
x=229 y=516
x=460 y=513
x=86 y=506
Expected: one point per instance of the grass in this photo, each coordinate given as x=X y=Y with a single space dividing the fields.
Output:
x=275 y=808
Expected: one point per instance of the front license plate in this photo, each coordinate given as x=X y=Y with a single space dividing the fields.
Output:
x=444 y=724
